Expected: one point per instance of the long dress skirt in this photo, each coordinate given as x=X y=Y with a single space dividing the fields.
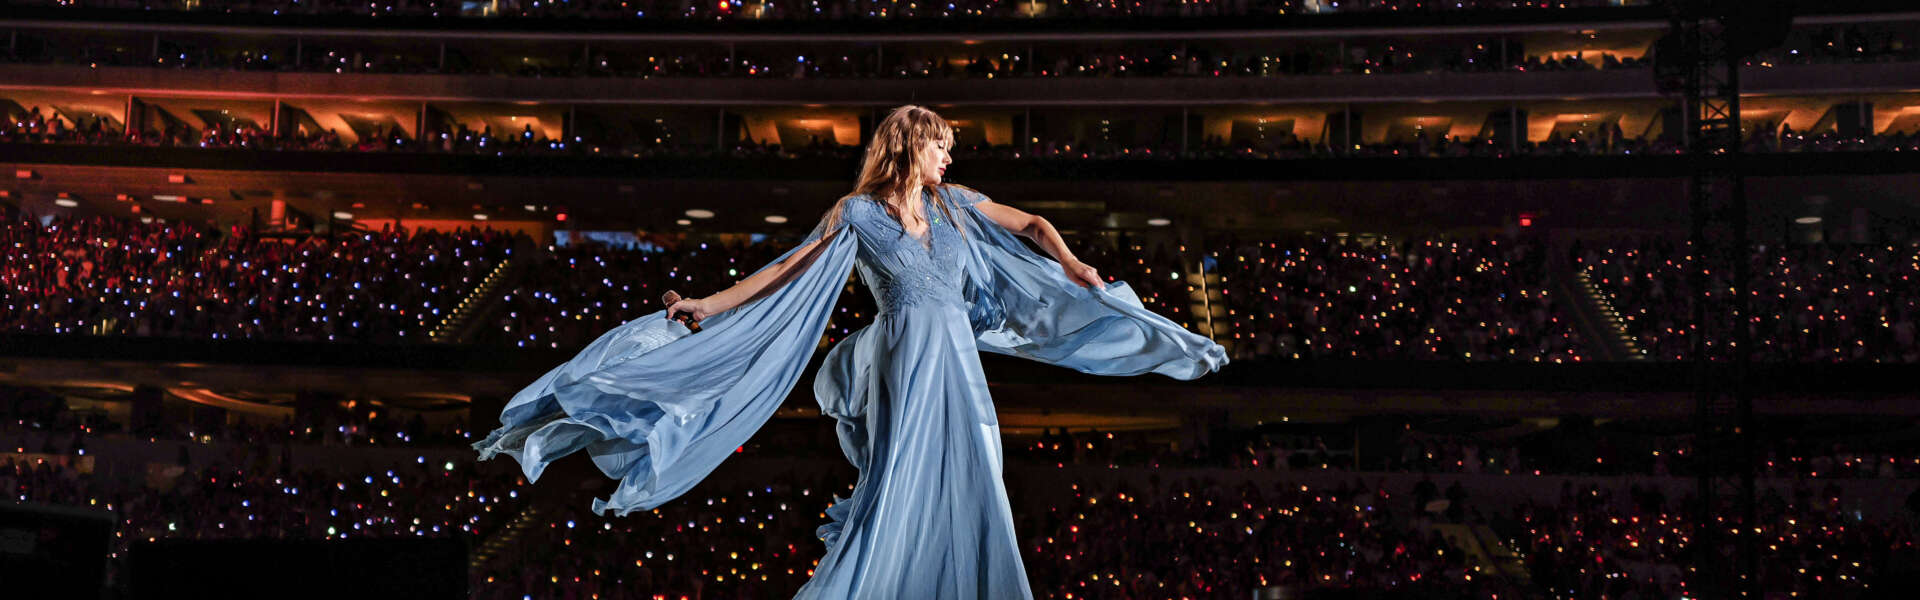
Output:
x=929 y=517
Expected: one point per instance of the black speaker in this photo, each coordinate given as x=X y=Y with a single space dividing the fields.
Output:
x=331 y=569
x=1853 y=119
x=1673 y=58
x=53 y=551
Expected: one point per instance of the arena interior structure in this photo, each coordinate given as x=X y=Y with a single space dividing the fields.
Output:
x=1525 y=298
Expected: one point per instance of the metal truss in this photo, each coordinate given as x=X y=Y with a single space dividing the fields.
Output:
x=1726 y=546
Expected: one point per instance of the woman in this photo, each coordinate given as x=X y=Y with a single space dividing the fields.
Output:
x=929 y=517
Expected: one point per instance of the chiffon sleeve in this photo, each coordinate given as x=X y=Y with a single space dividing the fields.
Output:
x=1022 y=304
x=658 y=409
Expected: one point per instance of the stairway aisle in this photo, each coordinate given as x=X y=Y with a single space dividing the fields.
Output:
x=460 y=326
x=1593 y=312
x=1208 y=306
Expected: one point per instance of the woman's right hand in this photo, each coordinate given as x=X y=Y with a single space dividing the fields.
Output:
x=698 y=308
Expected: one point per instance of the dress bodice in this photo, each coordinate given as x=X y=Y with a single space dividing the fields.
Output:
x=900 y=269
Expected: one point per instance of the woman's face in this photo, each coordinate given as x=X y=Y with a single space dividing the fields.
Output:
x=933 y=160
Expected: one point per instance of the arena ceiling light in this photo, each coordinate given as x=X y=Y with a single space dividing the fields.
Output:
x=699 y=213
x=343 y=215
x=776 y=219
x=684 y=222
x=479 y=216
x=67 y=202
x=1159 y=222
x=1808 y=220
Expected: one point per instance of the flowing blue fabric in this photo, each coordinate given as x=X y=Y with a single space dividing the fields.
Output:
x=659 y=409
x=929 y=516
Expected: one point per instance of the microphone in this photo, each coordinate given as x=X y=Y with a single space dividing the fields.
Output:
x=673 y=297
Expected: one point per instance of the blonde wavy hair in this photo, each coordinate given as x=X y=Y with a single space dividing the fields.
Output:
x=891 y=166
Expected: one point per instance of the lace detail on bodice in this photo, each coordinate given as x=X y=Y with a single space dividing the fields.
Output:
x=902 y=270
x=908 y=289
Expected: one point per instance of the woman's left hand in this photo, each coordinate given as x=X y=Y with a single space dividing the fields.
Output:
x=1083 y=274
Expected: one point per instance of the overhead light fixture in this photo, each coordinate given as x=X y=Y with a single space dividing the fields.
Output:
x=776 y=219
x=684 y=222
x=67 y=202
x=1808 y=220
x=479 y=216
x=699 y=213
x=343 y=215
x=1159 y=222
x=176 y=178
x=166 y=198
x=23 y=174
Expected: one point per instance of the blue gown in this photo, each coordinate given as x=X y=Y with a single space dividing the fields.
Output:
x=929 y=518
